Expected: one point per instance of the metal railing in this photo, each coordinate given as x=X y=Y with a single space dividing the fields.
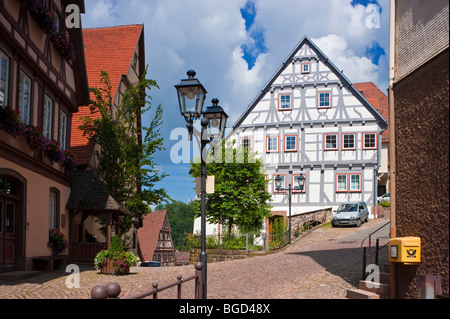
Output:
x=368 y=255
x=113 y=290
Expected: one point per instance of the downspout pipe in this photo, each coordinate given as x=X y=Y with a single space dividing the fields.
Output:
x=392 y=148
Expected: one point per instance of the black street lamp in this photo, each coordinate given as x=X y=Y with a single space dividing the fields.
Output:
x=300 y=186
x=191 y=96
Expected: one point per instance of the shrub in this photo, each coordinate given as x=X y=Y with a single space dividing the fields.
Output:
x=116 y=244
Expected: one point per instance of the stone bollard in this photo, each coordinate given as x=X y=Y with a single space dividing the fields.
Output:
x=110 y=291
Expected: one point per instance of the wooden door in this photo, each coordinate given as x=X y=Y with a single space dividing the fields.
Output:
x=9 y=205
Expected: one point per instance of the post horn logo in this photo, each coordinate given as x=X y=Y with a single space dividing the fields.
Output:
x=411 y=253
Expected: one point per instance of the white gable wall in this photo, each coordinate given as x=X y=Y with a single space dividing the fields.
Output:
x=345 y=117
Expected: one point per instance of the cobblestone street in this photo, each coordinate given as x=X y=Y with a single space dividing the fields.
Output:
x=320 y=265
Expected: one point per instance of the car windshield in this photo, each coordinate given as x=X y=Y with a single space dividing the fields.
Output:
x=348 y=208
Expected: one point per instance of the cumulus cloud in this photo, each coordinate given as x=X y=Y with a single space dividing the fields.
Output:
x=356 y=68
x=211 y=36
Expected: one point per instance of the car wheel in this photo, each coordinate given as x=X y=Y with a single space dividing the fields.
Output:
x=367 y=219
x=359 y=223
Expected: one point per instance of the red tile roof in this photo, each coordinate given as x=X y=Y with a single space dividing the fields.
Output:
x=378 y=100
x=148 y=234
x=107 y=49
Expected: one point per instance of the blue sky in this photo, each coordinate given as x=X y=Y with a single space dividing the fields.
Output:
x=235 y=46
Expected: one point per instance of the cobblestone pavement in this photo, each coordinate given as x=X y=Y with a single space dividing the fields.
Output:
x=320 y=265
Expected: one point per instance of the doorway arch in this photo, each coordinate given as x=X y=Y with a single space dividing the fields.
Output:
x=12 y=219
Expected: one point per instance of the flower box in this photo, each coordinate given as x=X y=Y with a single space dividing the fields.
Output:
x=108 y=268
x=16 y=142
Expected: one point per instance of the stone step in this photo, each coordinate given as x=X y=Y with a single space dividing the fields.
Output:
x=361 y=294
x=378 y=288
x=19 y=275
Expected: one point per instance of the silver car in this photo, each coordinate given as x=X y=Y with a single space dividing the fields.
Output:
x=351 y=213
x=384 y=198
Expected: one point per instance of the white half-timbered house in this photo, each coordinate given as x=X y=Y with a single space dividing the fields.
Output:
x=310 y=120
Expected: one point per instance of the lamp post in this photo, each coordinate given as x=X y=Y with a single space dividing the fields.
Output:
x=191 y=97
x=300 y=186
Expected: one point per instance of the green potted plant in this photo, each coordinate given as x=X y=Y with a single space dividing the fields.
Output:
x=115 y=261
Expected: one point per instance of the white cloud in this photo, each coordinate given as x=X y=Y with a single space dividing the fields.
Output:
x=207 y=36
x=356 y=68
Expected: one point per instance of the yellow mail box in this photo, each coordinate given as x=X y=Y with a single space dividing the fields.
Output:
x=404 y=250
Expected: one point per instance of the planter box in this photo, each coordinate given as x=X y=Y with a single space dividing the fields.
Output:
x=108 y=268
x=18 y=143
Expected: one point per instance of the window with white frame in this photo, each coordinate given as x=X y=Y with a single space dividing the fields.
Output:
x=47 y=124
x=246 y=143
x=341 y=183
x=290 y=143
x=25 y=98
x=306 y=68
x=53 y=216
x=355 y=182
x=285 y=102
x=63 y=130
x=349 y=141
x=4 y=79
x=370 y=141
x=324 y=100
x=272 y=144
x=331 y=142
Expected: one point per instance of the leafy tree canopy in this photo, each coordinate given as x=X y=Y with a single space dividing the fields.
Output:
x=241 y=196
x=126 y=157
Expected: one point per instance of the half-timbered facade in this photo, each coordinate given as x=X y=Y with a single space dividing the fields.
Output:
x=42 y=83
x=310 y=120
x=155 y=239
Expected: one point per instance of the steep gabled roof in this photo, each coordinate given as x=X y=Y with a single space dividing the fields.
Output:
x=88 y=192
x=108 y=49
x=324 y=59
x=148 y=234
x=379 y=101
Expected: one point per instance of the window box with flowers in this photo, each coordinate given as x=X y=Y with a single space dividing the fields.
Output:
x=42 y=14
x=33 y=135
x=12 y=131
x=69 y=160
x=9 y=121
x=63 y=45
x=57 y=241
x=52 y=149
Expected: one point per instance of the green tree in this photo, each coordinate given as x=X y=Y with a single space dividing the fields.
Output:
x=126 y=158
x=240 y=196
